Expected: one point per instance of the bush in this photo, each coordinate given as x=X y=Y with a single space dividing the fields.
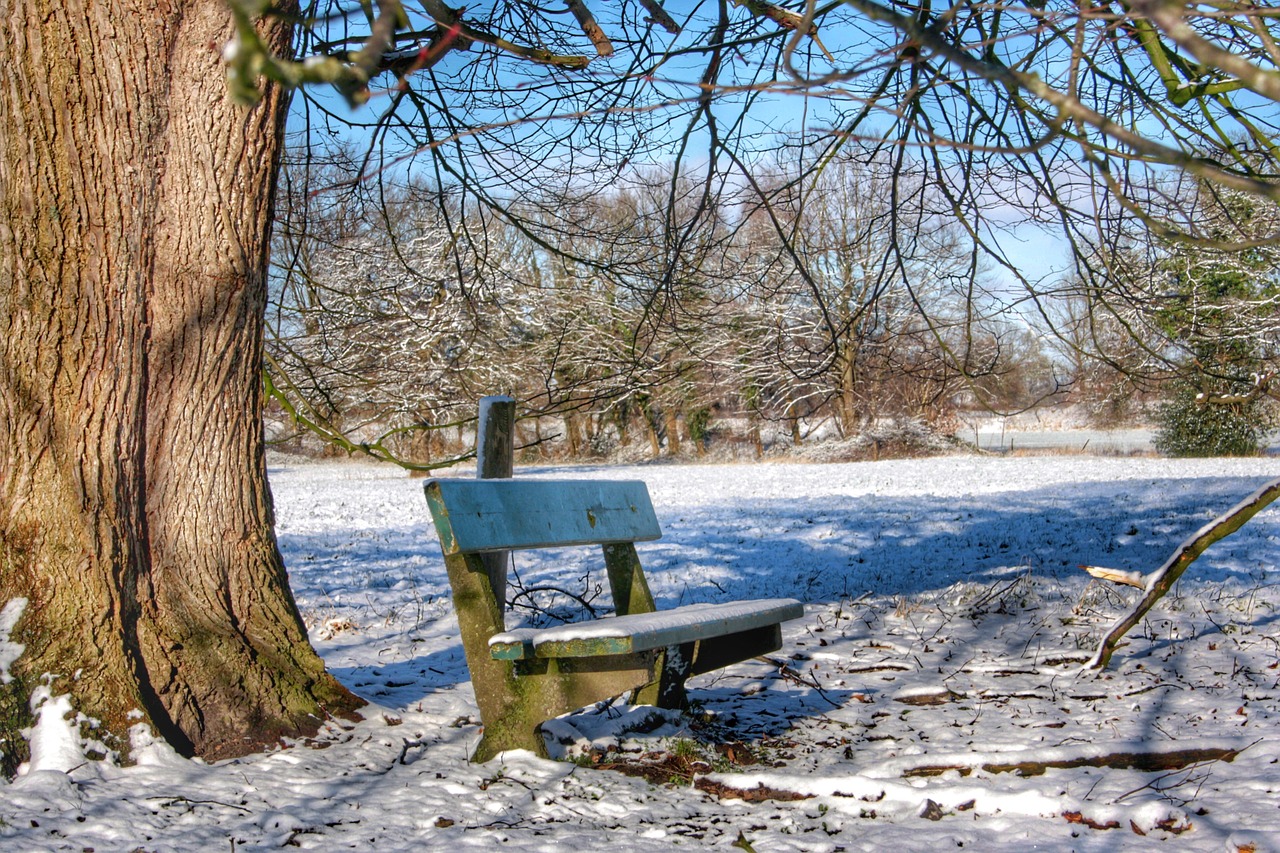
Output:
x=698 y=422
x=1190 y=426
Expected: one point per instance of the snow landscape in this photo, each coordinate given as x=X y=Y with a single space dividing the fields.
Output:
x=929 y=699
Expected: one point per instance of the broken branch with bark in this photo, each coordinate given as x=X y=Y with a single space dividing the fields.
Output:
x=1162 y=580
x=1120 y=576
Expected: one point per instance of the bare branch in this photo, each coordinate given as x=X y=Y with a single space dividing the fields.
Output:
x=1162 y=580
x=590 y=27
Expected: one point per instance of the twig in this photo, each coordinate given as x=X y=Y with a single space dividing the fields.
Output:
x=1119 y=576
x=408 y=745
x=1188 y=770
x=797 y=677
x=167 y=801
x=524 y=597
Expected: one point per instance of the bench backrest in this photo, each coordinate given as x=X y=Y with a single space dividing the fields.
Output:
x=476 y=516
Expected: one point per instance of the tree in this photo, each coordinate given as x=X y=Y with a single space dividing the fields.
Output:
x=379 y=334
x=1190 y=425
x=1219 y=310
x=1196 y=320
x=1109 y=363
x=135 y=517
x=1072 y=117
x=876 y=276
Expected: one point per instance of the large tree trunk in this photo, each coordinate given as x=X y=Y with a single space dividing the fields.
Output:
x=134 y=510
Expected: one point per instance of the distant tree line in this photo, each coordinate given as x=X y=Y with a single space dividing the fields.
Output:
x=655 y=315
x=660 y=317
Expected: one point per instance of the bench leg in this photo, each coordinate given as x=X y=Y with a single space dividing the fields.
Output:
x=668 y=690
x=537 y=690
x=517 y=729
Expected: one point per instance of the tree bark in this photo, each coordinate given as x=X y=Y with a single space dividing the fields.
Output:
x=135 y=514
x=650 y=418
x=573 y=437
x=850 y=420
x=673 y=432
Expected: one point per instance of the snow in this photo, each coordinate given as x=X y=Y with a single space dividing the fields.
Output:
x=855 y=795
x=659 y=623
x=945 y=624
x=9 y=650
x=54 y=740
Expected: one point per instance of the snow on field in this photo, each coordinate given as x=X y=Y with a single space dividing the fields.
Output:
x=939 y=652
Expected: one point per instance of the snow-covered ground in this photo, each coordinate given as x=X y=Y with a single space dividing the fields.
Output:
x=1116 y=442
x=945 y=623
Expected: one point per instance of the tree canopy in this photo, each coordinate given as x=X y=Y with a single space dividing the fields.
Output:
x=1109 y=126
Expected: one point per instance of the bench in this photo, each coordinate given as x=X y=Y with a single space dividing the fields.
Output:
x=526 y=676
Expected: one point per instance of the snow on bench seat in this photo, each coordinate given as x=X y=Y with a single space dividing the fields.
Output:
x=638 y=632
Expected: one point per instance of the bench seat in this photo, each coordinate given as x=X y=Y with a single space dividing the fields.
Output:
x=639 y=632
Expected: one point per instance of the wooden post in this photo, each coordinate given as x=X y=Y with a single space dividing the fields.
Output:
x=495 y=460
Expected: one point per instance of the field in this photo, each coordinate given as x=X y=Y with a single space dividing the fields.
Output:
x=930 y=698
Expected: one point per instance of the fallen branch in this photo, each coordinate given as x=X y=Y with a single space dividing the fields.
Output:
x=1162 y=580
x=1136 y=755
x=1144 y=760
x=762 y=787
x=794 y=676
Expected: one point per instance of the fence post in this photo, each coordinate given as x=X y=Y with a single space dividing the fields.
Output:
x=495 y=459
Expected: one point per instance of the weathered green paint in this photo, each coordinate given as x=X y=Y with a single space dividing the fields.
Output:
x=626 y=580
x=587 y=647
x=516 y=650
x=479 y=618
x=440 y=518
x=513 y=703
x=496 y=515
x=542 y=689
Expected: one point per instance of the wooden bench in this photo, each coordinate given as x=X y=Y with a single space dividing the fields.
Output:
x=526 y=676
